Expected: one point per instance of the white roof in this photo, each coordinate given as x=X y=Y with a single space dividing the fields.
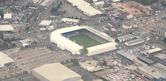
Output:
x=85 y=7
x=45 y=22
x=36 y=1
x=6 y=28
x=56 y=72
x=154 y=50
x=99 y=3
x=134 y=42
x=94 y=0
x=4 y=59
x=26 y=42
x=126 y=37
x=103 y=47
x=7 y=15
x=115 y=0
x=70 y=20
x=46 y=2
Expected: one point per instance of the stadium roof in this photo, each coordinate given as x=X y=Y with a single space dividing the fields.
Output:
x=85 y=7
x=4 y=59
x=56 y=72
x=6 y=28
x=107 y=46
x=57 y=34
x=66 y=44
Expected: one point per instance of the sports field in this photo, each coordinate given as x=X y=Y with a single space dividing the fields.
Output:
x=84 y=40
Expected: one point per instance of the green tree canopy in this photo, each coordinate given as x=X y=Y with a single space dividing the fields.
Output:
x=84 y=51
x=164 y=40
x=147 y=2
x=163 y=3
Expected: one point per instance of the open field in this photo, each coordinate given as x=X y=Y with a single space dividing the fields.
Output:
x=84 y=40
x=132 y=8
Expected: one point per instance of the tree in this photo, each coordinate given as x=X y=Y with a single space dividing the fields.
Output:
x=103 y=63
x=75 y=62
x=84 y=51
x=116 y=40
x=147 y=2
x=1 y=13
x=164 y=40
x=163 y=3
x=54 y=10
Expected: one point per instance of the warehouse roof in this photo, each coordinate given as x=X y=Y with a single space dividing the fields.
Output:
x=85 y=7
x=134 y=42
x=127 y=54
x=126 y=37
x=154 y=50
x=153 y=71
x=161 y=66
x=6 y=28
x=145 y=60
x=56 y=72
x=4 y=59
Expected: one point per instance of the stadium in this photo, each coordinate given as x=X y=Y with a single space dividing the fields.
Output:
x=82 y=40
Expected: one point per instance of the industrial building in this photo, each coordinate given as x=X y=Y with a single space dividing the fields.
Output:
x=7 y=15
x=78 y=39
x=125 y=37
x=134 y=42
x=145 y=60
x=70 y=20
x=5 y=60
x=85 y=7
x=161 y=56
x=161 y=31
x=6 y=28
x=156 y=71
x=128 y=54
x=55 y=72
x=154 y=50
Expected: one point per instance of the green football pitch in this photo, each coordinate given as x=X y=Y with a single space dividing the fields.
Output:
x=84 y=40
